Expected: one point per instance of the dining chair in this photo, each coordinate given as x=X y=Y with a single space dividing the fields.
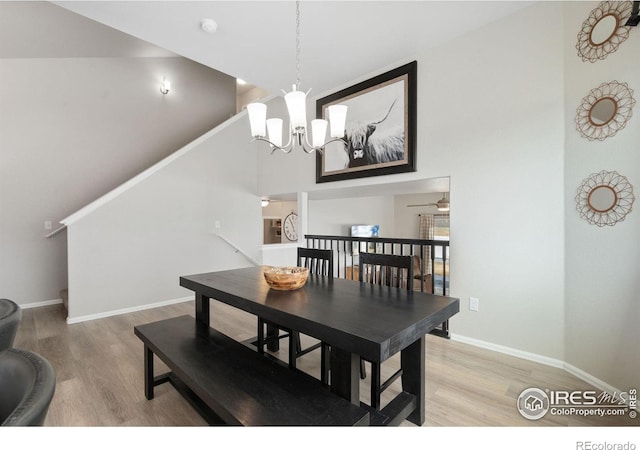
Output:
x=388 y=270
x=318 y=262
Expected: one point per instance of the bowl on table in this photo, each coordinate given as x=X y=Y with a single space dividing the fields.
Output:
x=286 y=278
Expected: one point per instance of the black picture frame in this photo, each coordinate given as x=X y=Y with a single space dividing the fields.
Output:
x=385 y=104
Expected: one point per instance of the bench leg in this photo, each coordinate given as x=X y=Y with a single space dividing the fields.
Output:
x=148 y=373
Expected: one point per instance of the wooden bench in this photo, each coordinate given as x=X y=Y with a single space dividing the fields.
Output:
x=237 y=385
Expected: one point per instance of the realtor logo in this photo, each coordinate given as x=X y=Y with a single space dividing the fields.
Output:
x=533 y=403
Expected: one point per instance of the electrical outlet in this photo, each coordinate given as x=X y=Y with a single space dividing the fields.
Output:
x=474 y=304
x=217 y=224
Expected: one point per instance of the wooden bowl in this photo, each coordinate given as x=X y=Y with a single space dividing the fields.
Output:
x=286 y=278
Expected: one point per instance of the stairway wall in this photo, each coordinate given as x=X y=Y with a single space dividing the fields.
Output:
x=71 y=129
x=129 y=253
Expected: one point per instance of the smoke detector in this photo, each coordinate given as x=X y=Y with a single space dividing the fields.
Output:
x=208 y=25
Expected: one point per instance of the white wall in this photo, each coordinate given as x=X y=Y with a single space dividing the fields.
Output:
x=492 y=108
x=490 y=116
x=131 y=251
x=603 y=264
x=335 y=217
x=71 y=129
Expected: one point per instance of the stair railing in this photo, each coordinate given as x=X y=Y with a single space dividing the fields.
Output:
x=239 y=250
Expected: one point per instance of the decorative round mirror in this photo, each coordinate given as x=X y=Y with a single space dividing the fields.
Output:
x=605 y=111
x=604 y=30
x=604 y=198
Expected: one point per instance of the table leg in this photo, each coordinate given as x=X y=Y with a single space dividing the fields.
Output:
x=345 y=374
x=273 y=343
x=412 y=360
x=202 y=309
x=325 y=363
x=148 y=373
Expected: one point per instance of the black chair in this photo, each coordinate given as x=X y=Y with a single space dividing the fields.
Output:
x=10 y=315
x=319 y=262
x=388 y=270
x=27 y=384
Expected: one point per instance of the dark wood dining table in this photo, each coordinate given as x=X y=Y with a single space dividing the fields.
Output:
x=356 y=319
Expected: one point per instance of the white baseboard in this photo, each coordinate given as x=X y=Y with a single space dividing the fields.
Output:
x=117 y=312
x=579 y=373
x=595 y=382
x=510 y=351
x=43 y=303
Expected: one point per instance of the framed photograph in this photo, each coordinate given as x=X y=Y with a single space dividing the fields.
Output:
x=380 y=131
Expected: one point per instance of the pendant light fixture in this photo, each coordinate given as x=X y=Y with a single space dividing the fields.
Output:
x=270 y=130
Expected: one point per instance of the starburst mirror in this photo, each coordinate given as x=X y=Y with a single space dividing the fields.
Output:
x=604 y=30
x=605 y=111
x=604 y=198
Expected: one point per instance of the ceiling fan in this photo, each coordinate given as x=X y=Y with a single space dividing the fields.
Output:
x=442 y=204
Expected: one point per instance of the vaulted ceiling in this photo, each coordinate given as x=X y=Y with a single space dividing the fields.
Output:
x=341 y=41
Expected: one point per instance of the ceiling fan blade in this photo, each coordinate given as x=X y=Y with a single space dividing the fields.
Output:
x=425 y=204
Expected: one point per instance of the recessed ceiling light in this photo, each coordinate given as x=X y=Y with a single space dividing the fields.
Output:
x=208 y=25
x=240 y=82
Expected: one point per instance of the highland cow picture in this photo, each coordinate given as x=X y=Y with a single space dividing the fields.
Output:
x=380 y=128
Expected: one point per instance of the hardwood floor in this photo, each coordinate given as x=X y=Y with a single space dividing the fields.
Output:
x=99 y=369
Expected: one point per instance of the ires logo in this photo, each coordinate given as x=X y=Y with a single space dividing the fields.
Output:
x=574 y=398
x=535 y=403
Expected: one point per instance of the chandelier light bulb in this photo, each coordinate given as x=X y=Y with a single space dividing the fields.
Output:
x=257 y=119
x=338 y=118
x=318 y=132
x=274 y=128
x=296 y=105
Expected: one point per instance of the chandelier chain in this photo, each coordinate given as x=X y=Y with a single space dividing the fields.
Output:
x=296 y=105
x=298 y=44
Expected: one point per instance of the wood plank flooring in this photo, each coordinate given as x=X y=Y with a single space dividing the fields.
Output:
x=99 y=368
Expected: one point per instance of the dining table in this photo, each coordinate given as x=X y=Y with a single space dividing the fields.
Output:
x=356 y=319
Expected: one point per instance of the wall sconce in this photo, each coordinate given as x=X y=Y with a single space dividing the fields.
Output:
x=264 y=203
x=165 y=86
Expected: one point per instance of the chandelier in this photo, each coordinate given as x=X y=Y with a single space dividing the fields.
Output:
x=297 y=109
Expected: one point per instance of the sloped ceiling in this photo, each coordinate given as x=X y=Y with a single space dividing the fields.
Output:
x=34 y=29
x=341 y=41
